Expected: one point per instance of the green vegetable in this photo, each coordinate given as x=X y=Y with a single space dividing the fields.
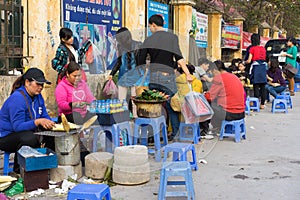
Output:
x=152 y=95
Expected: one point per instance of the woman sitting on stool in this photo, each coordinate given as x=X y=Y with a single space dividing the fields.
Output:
x=276 y=83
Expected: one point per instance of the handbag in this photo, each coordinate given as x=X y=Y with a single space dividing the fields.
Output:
x=289 y=70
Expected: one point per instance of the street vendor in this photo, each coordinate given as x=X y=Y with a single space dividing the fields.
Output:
x=24 y=113
x=73 y=95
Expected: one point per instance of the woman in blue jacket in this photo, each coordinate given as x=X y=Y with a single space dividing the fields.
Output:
x=23 y=113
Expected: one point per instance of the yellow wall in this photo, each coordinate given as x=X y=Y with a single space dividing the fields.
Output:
x=39 y=42
x=134 y=18
x=275 y=35
x=213 y=50
x=266 y=32
x=182 y=25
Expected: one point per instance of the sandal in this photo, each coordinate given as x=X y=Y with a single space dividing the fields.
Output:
x=262 y=107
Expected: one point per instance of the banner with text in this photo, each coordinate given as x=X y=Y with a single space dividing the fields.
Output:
x=199 y=28
x=160 y=9
x=98 y=21
x=231 y=37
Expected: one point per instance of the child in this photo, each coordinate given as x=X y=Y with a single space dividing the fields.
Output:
x=183 y=89
x=67 y=52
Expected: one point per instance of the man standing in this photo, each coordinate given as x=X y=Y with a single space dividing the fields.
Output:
x=165 y=57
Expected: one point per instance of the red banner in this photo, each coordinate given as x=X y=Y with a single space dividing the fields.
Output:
x=247 y=40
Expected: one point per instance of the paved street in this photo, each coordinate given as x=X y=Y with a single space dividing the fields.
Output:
x=264 y=166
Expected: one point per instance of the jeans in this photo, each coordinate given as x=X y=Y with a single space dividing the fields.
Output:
x=274 y=90
x=260 y=92
x=165 y=82
x=173 y=117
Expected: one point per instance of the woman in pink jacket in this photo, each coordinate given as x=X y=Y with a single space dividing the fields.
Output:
x=73 y=94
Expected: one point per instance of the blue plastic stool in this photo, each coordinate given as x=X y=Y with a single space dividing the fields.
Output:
x=158 y=124
x=287 y=96
x=89 y=191
x=279 y=104
x=189 y=132
x=170 y=169
x=112 y=135
x=247 y=106
x=180 y=151
x=297 y=87
x=254 y=104
x=234 y=128
x=7 y=165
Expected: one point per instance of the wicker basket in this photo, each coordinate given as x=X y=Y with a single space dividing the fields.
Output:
x=148 y=108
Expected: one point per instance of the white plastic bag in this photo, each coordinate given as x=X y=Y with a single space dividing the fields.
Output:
x=195 y=108
x=95 y=60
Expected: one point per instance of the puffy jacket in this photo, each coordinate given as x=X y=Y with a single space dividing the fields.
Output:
x=66 y=93
x=183 y=87
x=15 y=115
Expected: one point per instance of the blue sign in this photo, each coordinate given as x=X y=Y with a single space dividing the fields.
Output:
x=98 y=21
x=160 y=9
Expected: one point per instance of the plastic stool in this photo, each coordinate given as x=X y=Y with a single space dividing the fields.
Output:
x=170 y=169
x=185 y=129
x=297 y=87
x=7 y=165
x=255 y=104
x=157 y=124
x=279 y=104
x=288 y=98
x=247 y=106
x=180 y=151
x=89 y=191
x=234 y=128
x=113 y=134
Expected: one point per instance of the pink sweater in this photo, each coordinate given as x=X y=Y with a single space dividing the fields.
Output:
x=65 y=93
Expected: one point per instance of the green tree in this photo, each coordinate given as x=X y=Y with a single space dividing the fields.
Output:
x=283 y=14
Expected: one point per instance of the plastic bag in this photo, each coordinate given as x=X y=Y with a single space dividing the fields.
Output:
x=110 y=90
x=195 y=108
x=97 y=63
x=27 y=152
x=17 y=188
x=89 y=56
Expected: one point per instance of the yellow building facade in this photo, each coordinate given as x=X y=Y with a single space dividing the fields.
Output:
x=41 y=27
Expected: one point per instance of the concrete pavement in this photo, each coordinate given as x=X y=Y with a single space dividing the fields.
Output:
x=264 y=166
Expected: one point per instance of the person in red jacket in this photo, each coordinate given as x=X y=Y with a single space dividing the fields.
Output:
x=226 y=95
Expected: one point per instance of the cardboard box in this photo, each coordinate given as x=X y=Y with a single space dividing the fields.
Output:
x=39 y=163
x=108 y=119
x=34 y=180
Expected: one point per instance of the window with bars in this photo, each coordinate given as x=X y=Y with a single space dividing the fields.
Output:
x=11 y=36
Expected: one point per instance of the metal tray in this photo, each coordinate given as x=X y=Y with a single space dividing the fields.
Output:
x=56 y=133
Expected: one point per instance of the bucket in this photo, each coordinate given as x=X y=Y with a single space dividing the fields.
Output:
x=68 y=149
x=148 y=108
